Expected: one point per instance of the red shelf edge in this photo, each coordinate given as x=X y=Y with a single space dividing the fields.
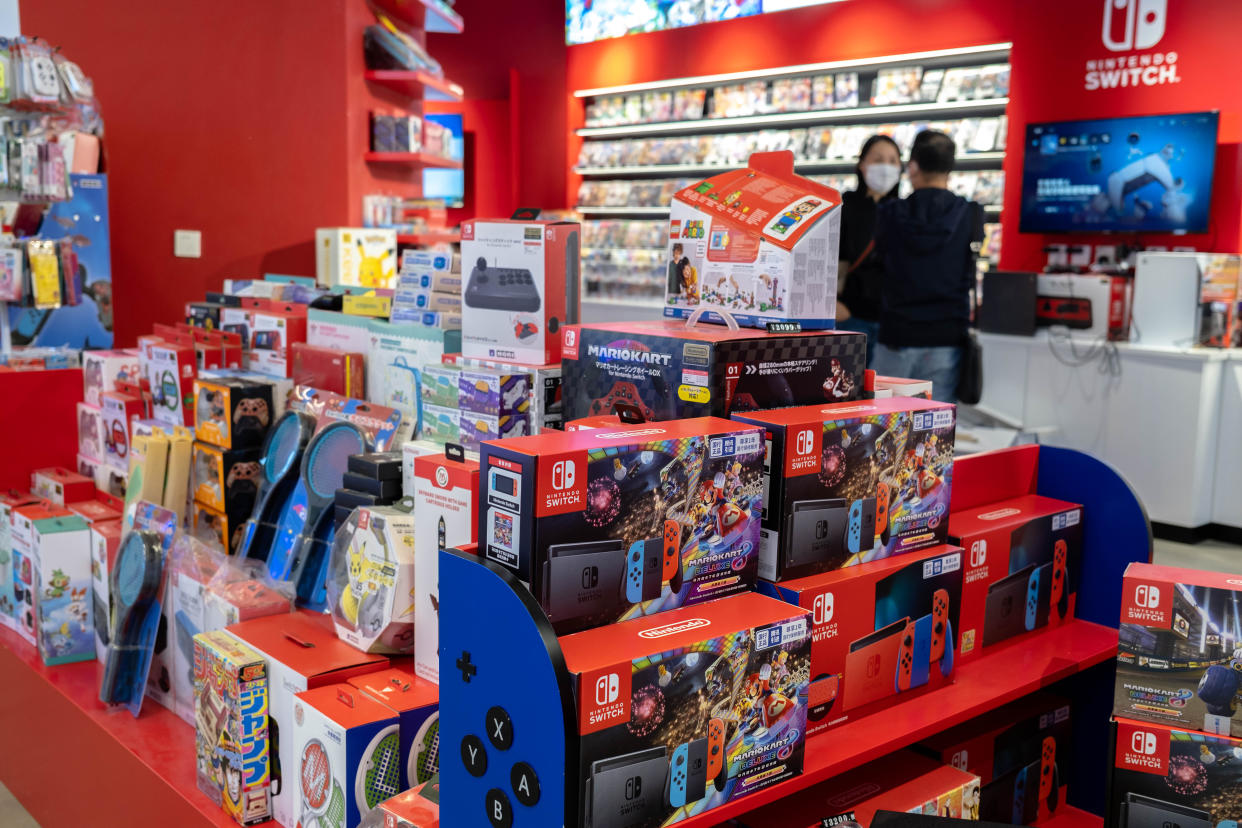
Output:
x=433 y=237
x=411 y=83
x=414 y=159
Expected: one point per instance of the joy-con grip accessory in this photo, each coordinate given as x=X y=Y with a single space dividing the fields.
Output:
x=671 y=568
x=1049 y=782
x=853 y=531
x=678 y=775
x=1032 y=599
x=881 y=511
x=715 y=749
x=1059 y=600
x=905 y=659
x=940 y=623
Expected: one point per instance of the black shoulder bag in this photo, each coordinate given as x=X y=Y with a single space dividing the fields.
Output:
x=970 y=368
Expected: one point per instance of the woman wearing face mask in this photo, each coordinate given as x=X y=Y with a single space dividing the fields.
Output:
x=858 y=295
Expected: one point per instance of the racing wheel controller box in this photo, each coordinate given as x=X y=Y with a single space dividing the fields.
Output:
x=669 y=370
x=850 y=483
x=521 y=288
x=881 y=630
x=1163 y=776
x=609 y=524
x=1023 y=557
x=685 y=711
x=1017 y=752
x=1179 y=658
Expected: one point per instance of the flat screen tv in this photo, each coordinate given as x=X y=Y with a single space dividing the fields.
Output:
x=449 y=185
x=1144 y=174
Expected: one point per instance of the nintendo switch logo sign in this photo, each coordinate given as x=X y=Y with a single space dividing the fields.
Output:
x=1141 y=749
x=561 y=487
x=821 y=609
x=804 y=458
x=633 y=788
x=569 y=343
x=1143 y=742
x=590 y=577
x=606 y=689
x=979 y=553
x=605 y=699
x=1133 y=24
x=960 y=760
x=805 y=441
x=1146 y=595
x=563 y=474
x=873 y=666
x=1147 y=604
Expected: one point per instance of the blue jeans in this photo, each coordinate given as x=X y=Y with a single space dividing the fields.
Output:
x=871 y=329
x=939 y=364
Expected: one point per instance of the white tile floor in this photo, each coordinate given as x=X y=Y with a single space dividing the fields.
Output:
x=1222 y=557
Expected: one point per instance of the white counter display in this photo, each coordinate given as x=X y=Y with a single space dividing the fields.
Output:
x=1227 y=497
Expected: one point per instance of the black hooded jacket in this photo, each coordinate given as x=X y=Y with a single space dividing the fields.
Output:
x=924 y=241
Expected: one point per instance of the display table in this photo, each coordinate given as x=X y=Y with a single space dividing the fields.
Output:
x=1226 y=503
x=1152 y=413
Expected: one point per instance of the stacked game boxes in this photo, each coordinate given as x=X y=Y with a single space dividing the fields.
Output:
x=428 y=290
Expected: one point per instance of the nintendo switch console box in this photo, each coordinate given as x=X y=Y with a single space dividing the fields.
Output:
x=522 y=280
x=880 y=630
x=853 y=482
x=669 y=370
x=684 y=712
x=1023 y=561
x=1179 y=660
x=1017 y=751
x=611 y=524
x=759 y=244
x=1164 y=776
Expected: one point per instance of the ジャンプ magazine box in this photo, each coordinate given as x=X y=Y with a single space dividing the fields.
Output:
x=416 y=703
x=1163 y=777
x=522 y=288
x=759 y=243
x=348 y=755
x=1017 y=752
x=301 y=652
x=1023 y=557
x=1179 y=659
x=606 y=525
x=881 y=630
x=682 y=712
x=669 y=371
x=904 y=781
x=447 y=506
x=232 y=740
x=853 y=482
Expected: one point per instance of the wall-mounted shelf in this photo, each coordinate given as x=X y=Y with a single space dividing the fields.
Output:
x=974 y=160
x=430 y=237
x=429 y=15
x=411 y=159
x=858 y=114
x=416 y=84
x=627 y=212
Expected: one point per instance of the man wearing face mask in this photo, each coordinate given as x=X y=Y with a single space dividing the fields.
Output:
x=862 y=271
x=929 y=270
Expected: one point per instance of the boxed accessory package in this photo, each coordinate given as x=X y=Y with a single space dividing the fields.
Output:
x=1092 y=305
x=26 y=518
x=1164 y=776
x=12 y=587
x=853 y=482
x=232 y=741
x=227 y=481
x=104 y=539
x=522 y=287
x=546 y=409
x=272 y=335
x=90 y=432
x=232 y=413
x=474 y=428
x=218 y=528
x=371 y=579
x=881 y=630
x=301 y=652
x=416 y=702
x=362 y=257
x=440 y=385
x=1179 y=659
x=445 y=491
x=102 y=369
x=612 y=524
x=62 y=590
x=61 y=486
x=759 y=243
x=669 y=370
x=171 y=369
x=1023 y=557
x=687 y=711
x=329 y=369
x=1017 y=752
x=419 y=807
x=118 y=408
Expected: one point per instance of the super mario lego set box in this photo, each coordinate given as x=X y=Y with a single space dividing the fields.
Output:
x=609 y=524
x=759 y=243
x=880 y=629
x=853 y=482
x=683 y=712
x=1179 y=660
x=669 y=370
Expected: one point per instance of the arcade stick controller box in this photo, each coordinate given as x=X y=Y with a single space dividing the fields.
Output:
x=853 y=482
x=521 y=289
x=1023 y=557
x=609 y=524
x=880 y=630
x=1179 y=659
x=669 y=370
x=684 y=712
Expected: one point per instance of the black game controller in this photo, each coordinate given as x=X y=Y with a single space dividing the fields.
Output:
x=501 y=288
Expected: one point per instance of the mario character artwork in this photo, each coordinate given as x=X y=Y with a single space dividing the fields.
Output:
x=790 y=218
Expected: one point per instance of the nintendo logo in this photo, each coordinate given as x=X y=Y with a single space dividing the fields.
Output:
x=563 y=474
x=1143 y=742
x=673 y=629
x=607 y=688
x=613 y=435
x=1234 y=581
x=960 y=760
x=571 y=336
x=1133 y=24
x=804 y=443
x=979 y=553
x=1146 y=595
x=999 y=514
x=821 y=608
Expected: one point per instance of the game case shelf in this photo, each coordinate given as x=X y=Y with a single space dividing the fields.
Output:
x=416 y=84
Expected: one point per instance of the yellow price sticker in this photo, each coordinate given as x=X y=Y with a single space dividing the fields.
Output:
x=693 y=393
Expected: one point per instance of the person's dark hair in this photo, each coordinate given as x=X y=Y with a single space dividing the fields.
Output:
x=933 y=151
x=878 y=138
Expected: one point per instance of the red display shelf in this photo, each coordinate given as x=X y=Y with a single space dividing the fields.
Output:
x=428 y=15
x=412 y=159
x=1071 y=817
x=1010 y=672
x=416 y=84
x=430 y=237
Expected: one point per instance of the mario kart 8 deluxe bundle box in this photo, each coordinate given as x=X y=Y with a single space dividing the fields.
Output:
x=668 y=370
x=1022 y=566
x=684 y=712
x=853 y=482
x=759 y=243
x=1179 y=659
x=610 y=524
x=880 y=630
